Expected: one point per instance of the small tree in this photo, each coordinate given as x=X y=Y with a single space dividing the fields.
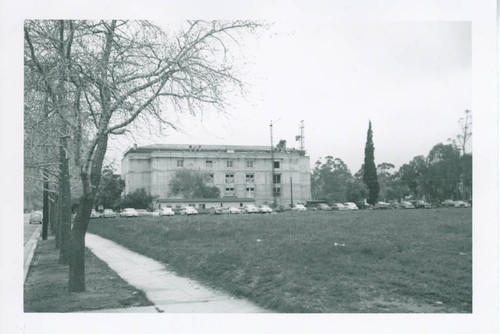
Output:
x=139 y=199
x=281 y=145
x=191 y=184
x=384 y=176
x=370 y=171
x=466 y=130
x=332 y=181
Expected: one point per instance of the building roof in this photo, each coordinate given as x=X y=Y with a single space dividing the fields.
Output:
x=201 y=148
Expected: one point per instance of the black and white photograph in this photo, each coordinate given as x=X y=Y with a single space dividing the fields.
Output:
x=272 y=168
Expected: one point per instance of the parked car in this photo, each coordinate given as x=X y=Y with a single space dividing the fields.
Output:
x=94 y=214
x=448 y=203
x=351 y=206
x=250 y=208
x=363 y=205
x=265 y=209
x=129 y=212
x=462 y=204
x=36 y=217
x=167 y=212
x=315 y=205
x=338 y=207
x=234 y=210
x=299 y=208
x=324 y=207
x=220 y=210
x=405 y=205
x=420 y=204
x=382 y=206
x=189 y=210
x=142 y=212
x=108 y=213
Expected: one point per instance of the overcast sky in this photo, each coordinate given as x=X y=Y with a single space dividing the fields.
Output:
x=411 y=79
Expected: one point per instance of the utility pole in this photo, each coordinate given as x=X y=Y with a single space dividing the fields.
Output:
x=291 y=192
x=272 y=164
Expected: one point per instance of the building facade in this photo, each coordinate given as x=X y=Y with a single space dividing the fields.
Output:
x=238 y=171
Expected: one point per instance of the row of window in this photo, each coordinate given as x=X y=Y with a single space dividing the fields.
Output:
x=249 y=178
x=250 y=191
x=229 y=163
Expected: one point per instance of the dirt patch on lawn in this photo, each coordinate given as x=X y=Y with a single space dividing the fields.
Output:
x=46 y=286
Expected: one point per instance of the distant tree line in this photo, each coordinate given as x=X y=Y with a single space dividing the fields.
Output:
x=445 y=173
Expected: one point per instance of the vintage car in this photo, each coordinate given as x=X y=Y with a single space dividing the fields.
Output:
x=36 y=217
x=129 y=212
x=189 y=210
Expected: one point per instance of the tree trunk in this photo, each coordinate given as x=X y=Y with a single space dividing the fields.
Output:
x=52 y=211
x=81 y=222
x=57 y=215
x=45 y=220
x=77 y=262
x=65 y=198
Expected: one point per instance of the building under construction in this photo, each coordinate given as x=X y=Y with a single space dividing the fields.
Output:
x=240 y=172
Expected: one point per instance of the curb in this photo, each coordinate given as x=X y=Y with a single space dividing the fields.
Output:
x=29 y=250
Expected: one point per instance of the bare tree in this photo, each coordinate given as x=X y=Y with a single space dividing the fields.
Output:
x=119 y=71
x=466 y=130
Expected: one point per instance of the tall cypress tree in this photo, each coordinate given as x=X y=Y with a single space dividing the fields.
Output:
x=369 y=169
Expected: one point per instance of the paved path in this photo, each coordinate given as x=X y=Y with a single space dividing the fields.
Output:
x=169 y=292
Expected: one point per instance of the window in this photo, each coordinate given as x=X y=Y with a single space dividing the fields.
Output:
x=229 y=163
x=249 y=163
x=229 y=178
x=210 y=178
x=277 y=178
x=180 y=163
x=277 y=191
x=249 y=178
x=250 y=191
x=229 y=191
x=209 y=163
x=276 y=164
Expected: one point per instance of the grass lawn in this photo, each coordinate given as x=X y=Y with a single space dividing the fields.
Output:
x=366 y=261
x=46 y=286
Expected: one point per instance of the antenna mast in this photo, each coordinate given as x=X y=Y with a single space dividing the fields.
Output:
x=272 y=164
x=301 y=136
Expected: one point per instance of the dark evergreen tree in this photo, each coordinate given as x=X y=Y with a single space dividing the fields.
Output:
x=139 y=199
x=110 y=189
x=370 y=171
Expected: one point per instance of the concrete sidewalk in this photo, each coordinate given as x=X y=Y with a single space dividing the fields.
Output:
x=169 y=292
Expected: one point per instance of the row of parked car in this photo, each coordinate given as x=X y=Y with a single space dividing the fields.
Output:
x=411 y=204
x=335 y=206
x=250 y=208
x=131 y=212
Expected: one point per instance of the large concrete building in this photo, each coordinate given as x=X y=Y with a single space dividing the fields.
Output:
x=246 y=172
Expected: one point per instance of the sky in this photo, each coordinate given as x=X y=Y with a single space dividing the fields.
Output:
x=412 y=80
